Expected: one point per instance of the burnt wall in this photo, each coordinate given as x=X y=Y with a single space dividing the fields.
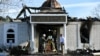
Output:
x=85 y=31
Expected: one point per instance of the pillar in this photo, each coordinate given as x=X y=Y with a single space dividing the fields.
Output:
x=77 y=39
x=65 y=38
x=32 y=39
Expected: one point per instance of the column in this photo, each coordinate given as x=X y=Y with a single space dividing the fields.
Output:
x=32 y=38
x=65 y=38
x=77 y=40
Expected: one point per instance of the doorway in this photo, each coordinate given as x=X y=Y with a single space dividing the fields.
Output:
x=47 y=30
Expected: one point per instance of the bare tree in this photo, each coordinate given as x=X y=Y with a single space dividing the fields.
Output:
x=8 y=7
x=96 y=11
x=12 y=7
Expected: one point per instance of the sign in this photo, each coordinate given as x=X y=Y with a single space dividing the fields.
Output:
x=48 y=18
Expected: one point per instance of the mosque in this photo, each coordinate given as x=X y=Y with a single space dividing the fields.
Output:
x=49 y=19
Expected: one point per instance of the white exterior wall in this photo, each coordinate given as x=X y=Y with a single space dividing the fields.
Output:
x=73 y=36
x=23 y=32
x=21 y=29
x=95 y=36
x=1 y=34
x=8 y=26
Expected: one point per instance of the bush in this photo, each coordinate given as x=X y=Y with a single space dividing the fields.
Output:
x=1 y=50
x=18 y=51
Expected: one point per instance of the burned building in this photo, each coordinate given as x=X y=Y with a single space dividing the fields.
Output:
x=49 y=19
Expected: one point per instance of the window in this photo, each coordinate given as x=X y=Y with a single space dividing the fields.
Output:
x=10 y=36
x=10 y=30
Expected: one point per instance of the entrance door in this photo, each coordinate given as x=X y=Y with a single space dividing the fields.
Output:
x=47 y=30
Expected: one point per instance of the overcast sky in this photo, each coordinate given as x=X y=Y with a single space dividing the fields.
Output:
x=75 y=8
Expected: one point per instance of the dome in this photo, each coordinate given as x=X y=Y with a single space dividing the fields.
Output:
x=51 y=3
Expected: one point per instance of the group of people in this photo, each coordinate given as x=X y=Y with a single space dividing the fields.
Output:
x=49 y=45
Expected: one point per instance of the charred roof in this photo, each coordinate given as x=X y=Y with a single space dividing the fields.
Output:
x=48 y=7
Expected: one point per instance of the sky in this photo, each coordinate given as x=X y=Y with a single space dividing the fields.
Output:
x=74 y=8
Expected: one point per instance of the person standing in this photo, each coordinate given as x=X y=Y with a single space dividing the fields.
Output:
x=61 y=43
x=51 y=41
x=43 y=42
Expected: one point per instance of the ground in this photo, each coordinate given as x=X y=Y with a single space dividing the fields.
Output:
x=56 y=55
